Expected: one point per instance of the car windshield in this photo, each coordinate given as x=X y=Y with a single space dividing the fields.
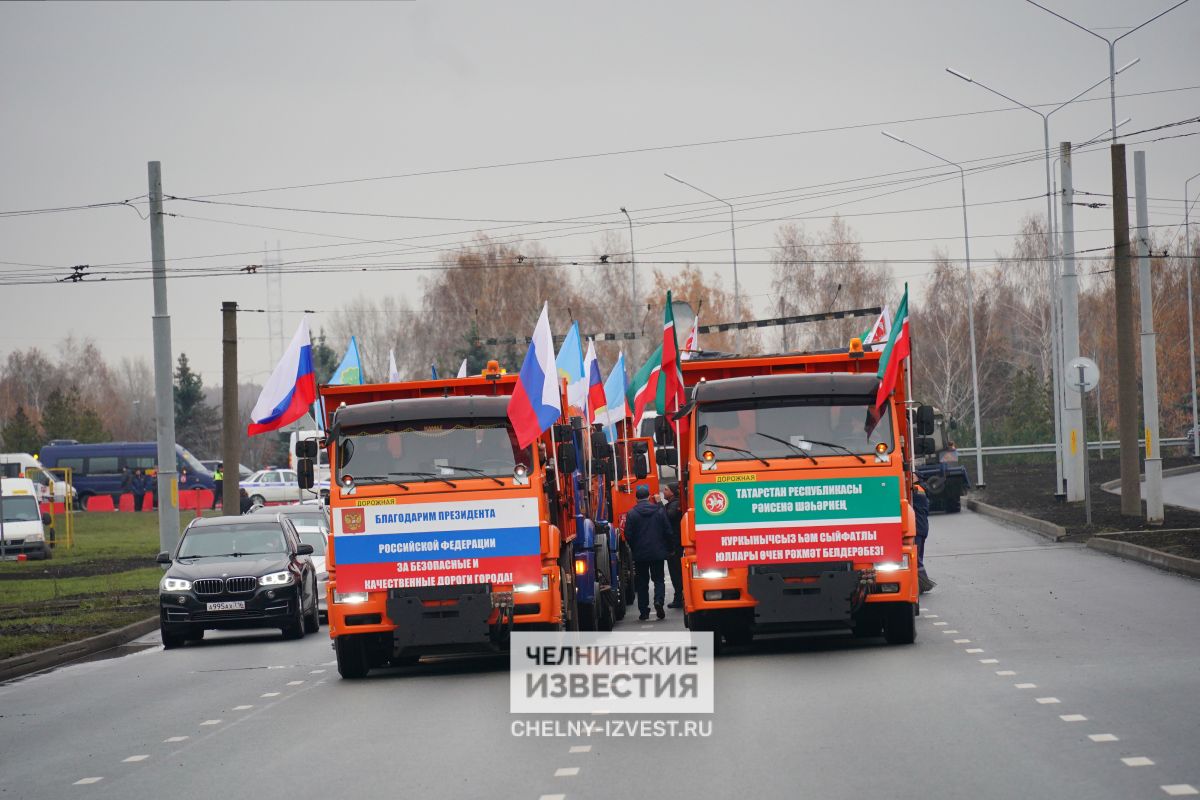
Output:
x=231 y=540
x=21 y=509
x=792 y=427
x=430 y=450
x=315 y=537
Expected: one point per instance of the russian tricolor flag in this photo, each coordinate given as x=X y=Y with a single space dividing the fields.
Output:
x=595 y=385
x=290 y=390
x=536 y=402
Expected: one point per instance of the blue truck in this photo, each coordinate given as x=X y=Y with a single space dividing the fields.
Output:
x=938 y=468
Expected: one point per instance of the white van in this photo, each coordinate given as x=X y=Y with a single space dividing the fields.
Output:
x=23 y=531
x=49 y=484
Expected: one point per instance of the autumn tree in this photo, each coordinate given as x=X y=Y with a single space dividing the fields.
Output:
x=196 y=422
x=20 y=434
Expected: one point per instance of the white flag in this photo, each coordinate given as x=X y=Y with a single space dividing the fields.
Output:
x=393 y=373
x=877 y=334
x=690 y=344
x=462 y=369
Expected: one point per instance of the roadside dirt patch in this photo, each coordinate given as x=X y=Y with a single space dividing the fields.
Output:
x=49 y=570
x=1177 y=543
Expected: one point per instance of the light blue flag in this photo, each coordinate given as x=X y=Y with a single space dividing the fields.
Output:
x=614 y=397
x=349 y=372
x=570 y=367
x=432 y=371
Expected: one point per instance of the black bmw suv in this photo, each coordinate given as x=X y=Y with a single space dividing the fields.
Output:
x=238 y=572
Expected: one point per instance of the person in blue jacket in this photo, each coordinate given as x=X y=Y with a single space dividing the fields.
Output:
x=920 y=503
x=140 y=485
x=648 y=532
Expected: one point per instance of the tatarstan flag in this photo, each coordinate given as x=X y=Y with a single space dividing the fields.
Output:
x=643 y=390
x=672 y=375
x=898 y=349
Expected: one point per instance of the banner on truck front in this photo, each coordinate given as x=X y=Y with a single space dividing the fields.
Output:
x=413 y=545
x=780 y=522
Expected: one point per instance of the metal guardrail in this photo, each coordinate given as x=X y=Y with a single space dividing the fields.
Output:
x=1015 y=449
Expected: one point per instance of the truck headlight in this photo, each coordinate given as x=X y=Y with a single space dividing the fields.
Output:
x=530 y=588
x=169 y=584
x=708 y=573
x=350 y=598
x=276 y=579
x=892 y=566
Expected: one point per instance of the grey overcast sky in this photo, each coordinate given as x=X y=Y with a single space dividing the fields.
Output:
x=240 y=96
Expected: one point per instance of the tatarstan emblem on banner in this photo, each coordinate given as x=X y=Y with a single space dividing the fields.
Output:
x=354 y=520
x=716 y=501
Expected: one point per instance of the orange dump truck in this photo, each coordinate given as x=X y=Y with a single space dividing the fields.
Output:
x=798 y=498
x=446 y=536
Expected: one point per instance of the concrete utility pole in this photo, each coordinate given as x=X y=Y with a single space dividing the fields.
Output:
x=1127 y=411
x=1154 y=491
x=633 y=302
x=230 y=434
x=1076 y=457
x=1189 y=250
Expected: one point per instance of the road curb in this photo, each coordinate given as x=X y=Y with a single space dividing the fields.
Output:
x=1055 y=533
x=1146 y=555
x=17 y=666
x=1108 y=486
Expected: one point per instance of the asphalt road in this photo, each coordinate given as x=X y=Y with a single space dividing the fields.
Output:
x=1040 y=671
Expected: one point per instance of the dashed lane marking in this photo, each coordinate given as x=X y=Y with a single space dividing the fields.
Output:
x=949 y=630
x=974 y=649
x=1006 y=672
x=211 y=722
x=173 y=739
x=242 y=708
x=1072 y=717
x=962 y=641
x=989 y=661
x=941 y=623
x=581 y=748
x=86 y=781
x=1180 y=789
x=294 y=683
x=553 y=797
x=316 y=672
x=1025 y=685
x=931 y=616
x=132 y=759
x=1137 y=761
x=1048 y=700
x=1103 y=737
x=270 y=694
x=566 y=772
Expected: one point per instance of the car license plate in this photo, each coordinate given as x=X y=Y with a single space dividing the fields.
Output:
x=228 y=605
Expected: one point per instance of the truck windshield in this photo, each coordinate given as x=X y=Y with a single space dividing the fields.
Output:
x=431 y=450
x=792 y=427
x=21 y=509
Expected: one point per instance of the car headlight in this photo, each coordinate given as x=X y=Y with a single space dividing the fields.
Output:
x=350 y=597
x=276 y=579
x=169 y=584
x=530 y=588
x=892 y=566
x=708 y=573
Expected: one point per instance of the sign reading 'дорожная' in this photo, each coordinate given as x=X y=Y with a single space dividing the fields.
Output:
x=779 y=522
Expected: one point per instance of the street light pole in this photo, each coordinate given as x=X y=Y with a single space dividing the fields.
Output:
x=737 y=295
x=1074 y=487
x=1189 y=265
x=633 y=299
x=979 y=481
x=1112 y=53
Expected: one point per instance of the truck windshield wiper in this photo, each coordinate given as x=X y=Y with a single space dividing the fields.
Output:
x=737 y=450
x=478 y=472
x=797 y=448
x=428 y=475
x=841 y=447
x=384 y=478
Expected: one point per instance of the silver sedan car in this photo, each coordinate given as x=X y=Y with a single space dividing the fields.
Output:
x=312 y=523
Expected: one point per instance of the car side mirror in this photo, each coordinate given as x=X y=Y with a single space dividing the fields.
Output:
x=304 y=550
x=47 y=519
x=304 y=472
x=163 y=558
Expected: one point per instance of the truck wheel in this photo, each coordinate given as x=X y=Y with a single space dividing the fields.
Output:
x=627 y=594
x=900 y=623
x=868 y=622
x=953 y=498
x=738 y=636
x=351 y=657
x=587 y=616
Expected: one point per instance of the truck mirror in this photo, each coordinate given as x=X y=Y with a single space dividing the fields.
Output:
x=562 y=433
x=599 y=442
x=664 y=436
x=665 y=455
x=304 y=472
x=641 y=465
x=640 y=448
x=566 y=458
x=306 y=448
x=925 y=421
x=924 y=445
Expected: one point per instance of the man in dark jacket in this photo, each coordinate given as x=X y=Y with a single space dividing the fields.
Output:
x=649 y=534
x=920 y=503
x=675 y=553
x=138 y=484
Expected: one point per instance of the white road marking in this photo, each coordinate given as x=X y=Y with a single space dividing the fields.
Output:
x=211 y=722
x=931 y=616
x=270 y=694
x=581 y=748
x=294 y=683
x=961 y=641
x=1006 y=672
x=566 y=772
x=1179 y=789
x=553 y=797
x=941 y=623
x=86 y=781
x=1048 y=700
x=131 y=759
x=600 y=712
x=989 y=661
x=974 y=649
x=316 y=672
x=1138 y=761
x=1072 y=717
x=174 y=739
x=1025 y=685
x=949 y=630
x=242 y=708
x=1103 y=737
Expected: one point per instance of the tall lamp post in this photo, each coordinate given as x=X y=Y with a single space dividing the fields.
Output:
x=1055 y=351
x=737 y=295
x=633 y=298
x=1112 y=53
x=962 y=179
x=1189 y=265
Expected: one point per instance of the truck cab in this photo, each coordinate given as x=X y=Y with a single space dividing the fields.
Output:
x=938 y=469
